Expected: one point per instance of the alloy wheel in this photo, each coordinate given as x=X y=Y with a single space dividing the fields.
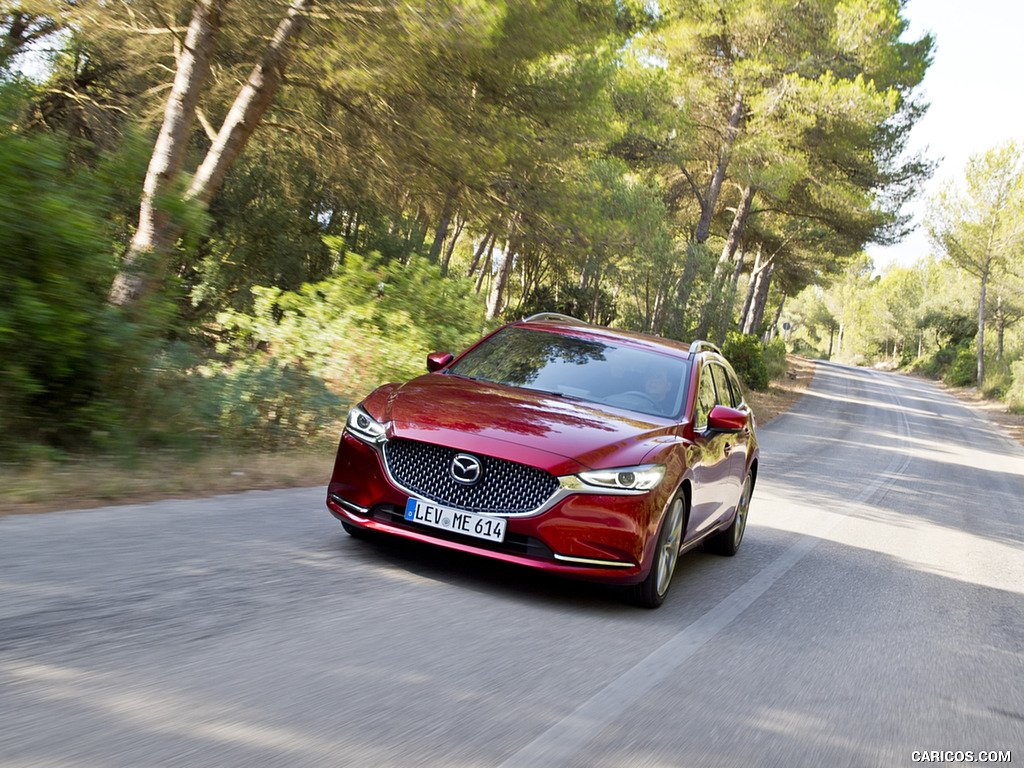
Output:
x=669 y=551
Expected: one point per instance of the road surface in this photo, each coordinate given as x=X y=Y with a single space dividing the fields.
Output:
x=875 y=612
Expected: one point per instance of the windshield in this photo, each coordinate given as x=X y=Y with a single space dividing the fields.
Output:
x=595 y=371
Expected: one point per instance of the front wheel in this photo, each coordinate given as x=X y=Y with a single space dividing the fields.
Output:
x=650 y=593
x=353 y=530
x=728 y=541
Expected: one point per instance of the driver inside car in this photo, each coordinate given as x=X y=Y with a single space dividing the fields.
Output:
x=657 y=386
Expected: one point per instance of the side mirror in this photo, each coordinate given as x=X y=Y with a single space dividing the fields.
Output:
x=725 y=419
x=438 y=360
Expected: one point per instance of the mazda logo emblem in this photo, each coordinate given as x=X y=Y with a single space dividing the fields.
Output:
x=466 y=469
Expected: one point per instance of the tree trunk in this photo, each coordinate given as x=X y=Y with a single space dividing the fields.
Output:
x=496 y=298
x=756 y=314
x=738 y=268
x=715 y=187
x=713 y=304
x=751 y=289
x=442 y=226
x=730 y=299
x=682 y=289
x=168 y=156
x=488 y=237
x=251 y=103
x=658 y=311
x=486 y=268
x=1000 y=328
x=774 y=331
x=981 y=322
x=460 y=224
x=156 y=231
x=739 y=220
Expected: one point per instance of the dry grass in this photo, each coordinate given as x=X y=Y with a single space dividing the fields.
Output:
x=782 y=394
x=49 y=486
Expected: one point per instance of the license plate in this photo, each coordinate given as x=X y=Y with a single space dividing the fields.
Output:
x=456 y=520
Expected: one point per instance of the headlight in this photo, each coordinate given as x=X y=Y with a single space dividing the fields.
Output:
x=363 y=426
x=642 y=478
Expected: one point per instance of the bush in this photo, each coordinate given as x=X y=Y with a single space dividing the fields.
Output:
x=744 y=353
x=998 y=379
x=938 y=365
x=774 y=356
x=185 y=404
x=964 y=370
x=1015 y=394
x=270 y=405
x=56 y=329
x=369 y=323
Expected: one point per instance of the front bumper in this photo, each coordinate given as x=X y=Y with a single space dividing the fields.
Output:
x=582 y=535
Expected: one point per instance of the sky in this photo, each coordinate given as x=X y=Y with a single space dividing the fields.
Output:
x=976 y=94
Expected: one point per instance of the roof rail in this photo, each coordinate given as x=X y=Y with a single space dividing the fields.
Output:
x=553 y=317
x=699 y=345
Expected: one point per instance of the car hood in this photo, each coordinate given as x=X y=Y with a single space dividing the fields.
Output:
x=560 y=434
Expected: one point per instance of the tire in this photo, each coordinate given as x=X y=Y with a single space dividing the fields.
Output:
x=353 y=530
x=650 y=593
x=728 y=541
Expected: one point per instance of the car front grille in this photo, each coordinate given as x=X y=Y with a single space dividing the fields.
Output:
x=506 y=487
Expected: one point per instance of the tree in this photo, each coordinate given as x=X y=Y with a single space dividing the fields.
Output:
x=23 y=24
x=980 y=227
x=156 y=229
x=803 y=110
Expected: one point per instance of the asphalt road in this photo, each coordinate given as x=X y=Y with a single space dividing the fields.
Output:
x=875 y=611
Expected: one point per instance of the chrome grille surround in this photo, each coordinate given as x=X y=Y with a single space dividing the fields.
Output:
x=506 y=488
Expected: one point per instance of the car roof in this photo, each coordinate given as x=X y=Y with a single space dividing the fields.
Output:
x=570 y=326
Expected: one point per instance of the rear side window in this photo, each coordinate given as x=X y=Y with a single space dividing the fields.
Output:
x=737 y=390
x=722 y=385
x=727 y=394
x=705 y=398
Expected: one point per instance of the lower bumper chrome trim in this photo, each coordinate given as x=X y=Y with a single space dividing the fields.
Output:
x=351 y=506
x=592 y=561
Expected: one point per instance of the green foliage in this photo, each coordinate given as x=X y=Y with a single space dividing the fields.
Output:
x=269 y=405
x=998 y=379
x=774 y=356
x=254 y=240
x=745 y=355
x=1015 y=394
x=55 y=267
x=180 y=401
x=979 y=226
x=963 y=371
x=368 y=323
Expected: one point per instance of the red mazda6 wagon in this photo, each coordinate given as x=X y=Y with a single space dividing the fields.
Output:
x=576 y=449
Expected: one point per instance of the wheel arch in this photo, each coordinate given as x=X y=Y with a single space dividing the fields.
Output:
x=686 y=488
